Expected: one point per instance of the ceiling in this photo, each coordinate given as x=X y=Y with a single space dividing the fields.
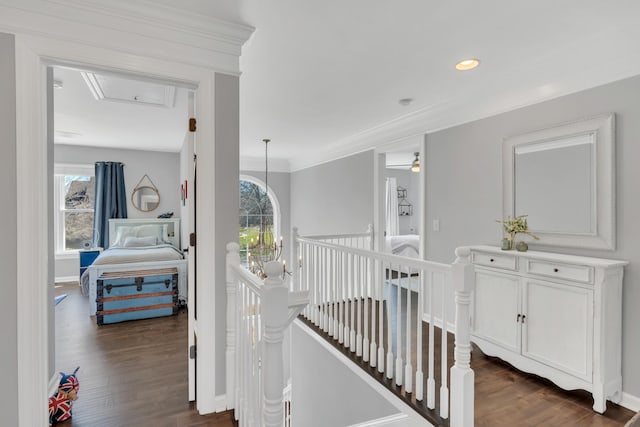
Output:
x=323 y=79
x=81 y=119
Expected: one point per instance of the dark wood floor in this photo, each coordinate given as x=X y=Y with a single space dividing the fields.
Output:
x=505 y=396
x=132 y=374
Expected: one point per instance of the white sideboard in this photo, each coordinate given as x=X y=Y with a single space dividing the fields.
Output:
x=554 y=315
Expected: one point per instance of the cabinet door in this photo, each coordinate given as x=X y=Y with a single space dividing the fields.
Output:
x=496 y=308
x=558 y=328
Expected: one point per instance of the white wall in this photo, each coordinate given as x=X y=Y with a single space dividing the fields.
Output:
x=8 y=220
x=325 y=391
x=163 y=168
x=335 y=197
x=464 y=188
x=227 y=202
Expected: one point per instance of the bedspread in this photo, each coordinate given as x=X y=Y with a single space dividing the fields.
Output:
x=117 y=255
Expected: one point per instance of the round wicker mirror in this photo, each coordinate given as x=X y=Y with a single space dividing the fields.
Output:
x=145 y=198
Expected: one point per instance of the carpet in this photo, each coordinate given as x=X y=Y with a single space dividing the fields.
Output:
x=59 y=298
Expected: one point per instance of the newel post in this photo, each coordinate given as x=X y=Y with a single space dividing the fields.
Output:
x=275 y=313
x=462 y=376
x=233 y=259
x=296 y=260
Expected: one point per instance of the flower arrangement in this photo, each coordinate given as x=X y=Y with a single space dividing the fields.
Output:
x=514 y=226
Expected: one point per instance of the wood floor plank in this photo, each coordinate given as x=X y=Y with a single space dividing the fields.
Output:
x=132 y=374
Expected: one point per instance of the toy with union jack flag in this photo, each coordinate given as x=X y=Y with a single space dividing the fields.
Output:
x=61 y=402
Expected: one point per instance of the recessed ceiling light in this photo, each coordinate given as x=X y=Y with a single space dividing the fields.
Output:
x=405 y=101
x=467 y=64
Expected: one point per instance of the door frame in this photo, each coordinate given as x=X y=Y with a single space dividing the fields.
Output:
x=379 y=167
x=33 y=54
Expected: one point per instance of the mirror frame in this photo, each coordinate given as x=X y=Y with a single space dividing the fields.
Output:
x=144 y=187
x=603 y=126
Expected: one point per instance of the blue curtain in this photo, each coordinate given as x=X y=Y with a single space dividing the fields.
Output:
x=111 y=200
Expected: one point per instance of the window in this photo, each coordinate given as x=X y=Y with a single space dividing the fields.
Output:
x=74 y=193
x=259 y=220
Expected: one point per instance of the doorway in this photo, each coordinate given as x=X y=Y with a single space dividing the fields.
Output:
x=34 y=306
x=400 y=190
x=141 y=122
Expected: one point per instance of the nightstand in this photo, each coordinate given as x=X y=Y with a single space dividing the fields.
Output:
x=87 y=256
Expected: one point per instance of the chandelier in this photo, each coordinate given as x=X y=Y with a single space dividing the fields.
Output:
x=265 y=247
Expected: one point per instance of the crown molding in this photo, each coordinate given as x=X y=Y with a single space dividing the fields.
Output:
x=136 y=26
x=439 y=116
x=231 y=34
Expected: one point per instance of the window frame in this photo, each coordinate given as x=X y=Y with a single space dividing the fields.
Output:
x=59 y=209
x=275 y=205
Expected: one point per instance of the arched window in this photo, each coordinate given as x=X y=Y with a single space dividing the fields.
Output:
x=259 y=215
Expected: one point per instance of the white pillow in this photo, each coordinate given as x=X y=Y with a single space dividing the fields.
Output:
x=159 y=231
x=121 y=235
x=137 y=242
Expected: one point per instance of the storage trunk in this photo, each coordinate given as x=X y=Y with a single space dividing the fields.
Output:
x=132 y=295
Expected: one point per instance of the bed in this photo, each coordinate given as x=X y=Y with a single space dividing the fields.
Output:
x=138 y=244
x=407 y=245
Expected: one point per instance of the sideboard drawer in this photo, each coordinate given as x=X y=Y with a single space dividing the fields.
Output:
x=577 y=273
x=493 y=260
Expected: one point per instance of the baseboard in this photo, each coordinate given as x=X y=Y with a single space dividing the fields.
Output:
x=220 y=403
x=54 y=381
x=390 y=421
x=630 y=401
x=65 y=279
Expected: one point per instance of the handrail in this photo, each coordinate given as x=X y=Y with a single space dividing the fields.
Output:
x=368 y=233
x=415 y=263
x=249 y=278
x=336 y=236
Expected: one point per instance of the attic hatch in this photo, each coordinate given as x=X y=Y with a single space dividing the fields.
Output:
x=107 y=87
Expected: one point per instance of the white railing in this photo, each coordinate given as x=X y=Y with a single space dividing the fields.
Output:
x=258 y=313
x=375 y=305
x=355 y=240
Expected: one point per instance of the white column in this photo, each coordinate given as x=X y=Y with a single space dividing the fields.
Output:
x=462 y=376
x=275 y=313
x=233 y=259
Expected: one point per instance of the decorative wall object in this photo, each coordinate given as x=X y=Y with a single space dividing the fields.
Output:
x=563 y=177
x=145 y=198
x=404 y=207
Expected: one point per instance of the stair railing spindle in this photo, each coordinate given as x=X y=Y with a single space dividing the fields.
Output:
x=431 y=382
x=408 y=367
x=444 y=389
x=399 y=366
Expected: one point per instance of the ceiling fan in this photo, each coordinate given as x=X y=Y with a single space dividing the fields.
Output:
x=404 y=161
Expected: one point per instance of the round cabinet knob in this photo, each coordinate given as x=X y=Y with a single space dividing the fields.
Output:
x=491 y=260
x=555 y=270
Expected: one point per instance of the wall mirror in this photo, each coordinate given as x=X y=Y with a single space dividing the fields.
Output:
x=145 y=198
x=563 y=179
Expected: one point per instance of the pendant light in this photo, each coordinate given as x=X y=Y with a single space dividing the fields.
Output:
x=415 y=165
